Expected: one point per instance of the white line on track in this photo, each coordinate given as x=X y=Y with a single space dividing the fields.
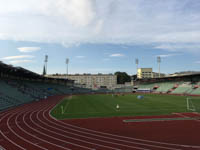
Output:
x=87 y=137
x=31 y=108
x=26 y=132
x=10 y=112
x=127 y=138
x=100 y=136
x=7 y=137
x=54 y=137
x=72 y=137
x=1 y=148
x=42 y=134
x=184 y=116
x=55 y=133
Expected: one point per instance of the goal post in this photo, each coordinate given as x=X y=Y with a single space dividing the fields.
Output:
x=193 y=104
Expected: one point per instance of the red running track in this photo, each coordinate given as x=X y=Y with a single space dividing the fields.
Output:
x=30 y=127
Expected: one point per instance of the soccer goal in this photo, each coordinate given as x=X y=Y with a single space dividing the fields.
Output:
x=193 y=104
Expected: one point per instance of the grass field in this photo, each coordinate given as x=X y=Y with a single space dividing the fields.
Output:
x=87 y=106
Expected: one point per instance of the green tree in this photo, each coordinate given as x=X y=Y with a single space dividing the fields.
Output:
x=122 y=77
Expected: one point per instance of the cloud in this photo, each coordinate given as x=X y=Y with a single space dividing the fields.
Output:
x=117 y=55
x=28 y=49
x=17 y=57
x=80 y=57
x=174 y=47
x=20 y=61
x=167 y=55
x=166 y=25
x=197 y=62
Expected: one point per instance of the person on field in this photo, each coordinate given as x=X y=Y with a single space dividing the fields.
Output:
x=117 y=107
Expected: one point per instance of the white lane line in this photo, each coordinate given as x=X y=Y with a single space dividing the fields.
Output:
x=14 y=111
x=45 y=141
x=64 y=131
x=10 y=139
x=26 y=132
x=139 y=143
x=184 y=116
x=150 y=145
x=1 y=148
x=118 y=136
x=22 y=138
x=105 y=137
x=61 y=135
x=42 y=134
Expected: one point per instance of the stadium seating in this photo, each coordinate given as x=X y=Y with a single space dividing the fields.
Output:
x=165 y=87
x=147 y=86
x=17 y=92
x=183 y=88
x=127 y=89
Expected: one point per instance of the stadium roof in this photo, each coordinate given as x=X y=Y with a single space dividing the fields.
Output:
x=168 y=78
x=23 y=73
x=17 y=71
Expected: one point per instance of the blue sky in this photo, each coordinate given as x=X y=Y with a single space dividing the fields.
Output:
x=100 y=36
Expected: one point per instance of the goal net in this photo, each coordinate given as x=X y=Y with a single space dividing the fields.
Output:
x=193 y=104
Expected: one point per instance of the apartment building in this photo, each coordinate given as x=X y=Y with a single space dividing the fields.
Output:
x=92 y=81
x=148 y=73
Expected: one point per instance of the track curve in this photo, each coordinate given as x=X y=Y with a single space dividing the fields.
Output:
x=32 y=127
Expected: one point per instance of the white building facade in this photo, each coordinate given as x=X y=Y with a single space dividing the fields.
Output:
x=92 y=81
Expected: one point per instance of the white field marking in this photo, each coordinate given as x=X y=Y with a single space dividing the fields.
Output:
x=184 y=116
x=72 y=137
x=26 y=132
x=109 y=134
x=66 y=106
x=42 y=133
x=87 y=137
x=52 y=136
x=109 y=137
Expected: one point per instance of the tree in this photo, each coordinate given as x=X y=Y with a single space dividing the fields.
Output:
x=122 y=77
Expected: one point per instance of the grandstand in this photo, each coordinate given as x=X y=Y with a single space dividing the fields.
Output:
x=19 y=86
x=185 y=84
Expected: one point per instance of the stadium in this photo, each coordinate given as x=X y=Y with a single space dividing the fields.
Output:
x=47 y=113
x=99 y=75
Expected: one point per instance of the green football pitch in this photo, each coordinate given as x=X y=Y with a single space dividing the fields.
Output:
x=89 y=106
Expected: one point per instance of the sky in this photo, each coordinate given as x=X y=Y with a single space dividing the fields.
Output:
x=100 y=36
